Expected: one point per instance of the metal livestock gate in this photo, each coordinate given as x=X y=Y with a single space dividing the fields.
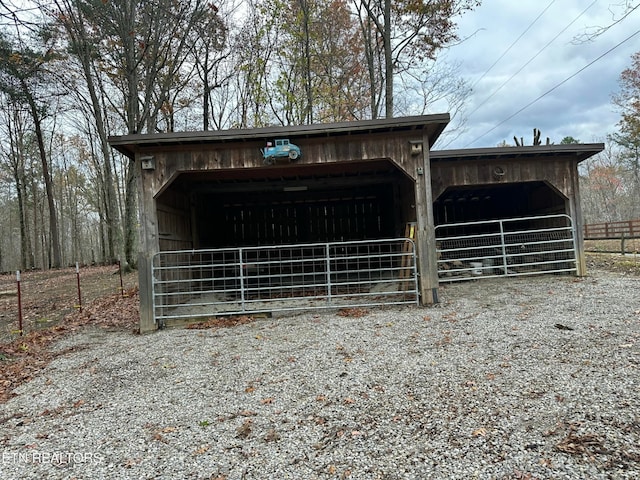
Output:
x=509 y=247
x=199 y=284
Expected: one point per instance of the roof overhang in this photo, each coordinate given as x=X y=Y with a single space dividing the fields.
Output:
x=432 y=125
x=581 y=151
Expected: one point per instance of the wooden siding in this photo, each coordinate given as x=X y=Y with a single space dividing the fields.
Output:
x=169 y=162
x=557 y=172
x=174 y=221
x=270 y=219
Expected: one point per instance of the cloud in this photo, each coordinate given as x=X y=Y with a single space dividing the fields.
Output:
x=580 y=107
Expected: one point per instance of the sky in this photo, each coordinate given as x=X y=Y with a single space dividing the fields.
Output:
x=512 y=58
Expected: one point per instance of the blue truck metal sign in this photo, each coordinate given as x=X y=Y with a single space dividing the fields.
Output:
x=282 y=149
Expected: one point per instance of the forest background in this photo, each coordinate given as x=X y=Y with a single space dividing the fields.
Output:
x=73 y=72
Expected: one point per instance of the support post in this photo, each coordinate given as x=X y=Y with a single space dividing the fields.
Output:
x=148 y=246
x=575 y=212
x=79 y=290
x=425 y=232
x=19 y=303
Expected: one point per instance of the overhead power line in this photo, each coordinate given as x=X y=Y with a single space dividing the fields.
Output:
x=513 y=44
x=532 y=58
x=555 y=87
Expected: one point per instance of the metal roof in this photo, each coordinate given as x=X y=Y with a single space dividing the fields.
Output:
x=432 y=124
x=581 y=150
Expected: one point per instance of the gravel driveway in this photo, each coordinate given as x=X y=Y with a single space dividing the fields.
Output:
x=526 y=378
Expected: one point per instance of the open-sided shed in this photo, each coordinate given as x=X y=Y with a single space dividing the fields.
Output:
x=354 y=181
x=529 y=194
x=355 y=185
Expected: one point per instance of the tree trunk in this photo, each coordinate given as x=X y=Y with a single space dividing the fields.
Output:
x=54 y=235
x=388 y=61
x=130 y=215
x=24 y=250
x=205 y=104
x=306 y=48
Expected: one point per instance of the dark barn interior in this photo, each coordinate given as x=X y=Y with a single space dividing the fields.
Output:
x=501 y=183
x=489 y=202
x=285 y=205
x=507 y=211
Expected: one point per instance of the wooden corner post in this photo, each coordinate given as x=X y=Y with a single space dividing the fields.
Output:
x=425 y=234
x=148 y=244
x=578 y=223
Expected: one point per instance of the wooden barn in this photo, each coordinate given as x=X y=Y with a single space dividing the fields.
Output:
x=365 y=215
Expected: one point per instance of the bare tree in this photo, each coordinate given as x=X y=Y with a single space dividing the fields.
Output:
x=82 y=39
x=408 y=32
x=23 y=75
x=627 y=101
x=619 y=12
x=139 y=47
x=14 y=131
x=602 y=188
x=209 y=49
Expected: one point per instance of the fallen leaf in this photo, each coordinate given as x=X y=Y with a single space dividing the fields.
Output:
x=221 y=322
x=201 y=450
x=560 y=326
x=244 y=430
x=131 y=462
x=579 y=444
x=352 y=312
x=272 y=436
x=546 y=462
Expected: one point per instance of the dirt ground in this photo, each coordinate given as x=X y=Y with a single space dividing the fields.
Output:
x=628 y=264
x=631 y=246
x=48 y=296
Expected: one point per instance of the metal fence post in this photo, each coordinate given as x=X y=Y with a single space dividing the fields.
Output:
x=504 y=248
x=241 y=276
x=328 y=263
x=19 y=302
